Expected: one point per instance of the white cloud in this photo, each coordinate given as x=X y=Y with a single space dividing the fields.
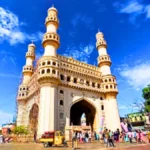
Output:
x=10 y=29
x=81 y=53
x=137 y=76
x=133 y=8
x=147 y=10
x=5 y=117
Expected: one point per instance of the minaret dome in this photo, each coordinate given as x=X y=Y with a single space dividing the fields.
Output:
x=100 y=40
x=52 y=9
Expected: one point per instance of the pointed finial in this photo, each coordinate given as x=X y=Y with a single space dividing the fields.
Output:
x=98 y=30
x=52 y=5
x=32 y=42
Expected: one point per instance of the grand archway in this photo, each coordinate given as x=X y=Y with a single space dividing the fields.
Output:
x=78 y=109
x=33 y=118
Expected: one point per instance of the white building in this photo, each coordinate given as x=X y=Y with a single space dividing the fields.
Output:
x=55 y=93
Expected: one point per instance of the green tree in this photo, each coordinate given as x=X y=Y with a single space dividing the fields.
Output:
x=20 y=130
x=146 y=96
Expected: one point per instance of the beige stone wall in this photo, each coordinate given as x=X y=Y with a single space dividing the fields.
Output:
x=71 y=96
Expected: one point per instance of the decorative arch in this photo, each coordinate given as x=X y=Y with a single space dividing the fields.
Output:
x=84 y=106
x=80 y=99
x=33 y=118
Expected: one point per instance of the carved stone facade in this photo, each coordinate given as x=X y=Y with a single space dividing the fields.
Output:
x=62 y=88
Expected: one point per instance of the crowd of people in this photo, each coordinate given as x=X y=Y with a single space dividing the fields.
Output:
x=109 y=138
x=135 y=136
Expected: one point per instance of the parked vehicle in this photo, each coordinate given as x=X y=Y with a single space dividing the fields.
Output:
x=51 y=138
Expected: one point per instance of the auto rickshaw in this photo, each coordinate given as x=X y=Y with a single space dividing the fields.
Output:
x=53 y=138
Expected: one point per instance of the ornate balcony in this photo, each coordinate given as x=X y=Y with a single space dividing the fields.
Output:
x=52 y=39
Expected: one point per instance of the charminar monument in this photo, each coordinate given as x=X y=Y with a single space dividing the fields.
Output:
x=58 y=90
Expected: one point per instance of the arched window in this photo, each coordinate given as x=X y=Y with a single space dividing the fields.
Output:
x=111 y=86
x=87 y=83
x=61 y=92
x=105 y=80
x=22 y=94
x=61 y=115
x=106 y=87
x=43 y=71
x=48 y=70
x=68 y=79
x=62 y=77
x=98 y=85
x=75 y=80
x=109 y=80
x=53 y=71
x=101 y=98
x=48 y=62
x=54 y=63
x=102 y=107
x=61 y=103
x=93 y=84
x=43 y=63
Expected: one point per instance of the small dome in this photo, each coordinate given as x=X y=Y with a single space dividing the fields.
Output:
x=52 y=9
x=99 y=34
x=31 y=45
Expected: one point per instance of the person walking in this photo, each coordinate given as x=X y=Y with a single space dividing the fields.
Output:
x=81 y=138
x=110 y=139
x=74 y=140
x=90 y=137
x=135 y=136
x=130 y=136
x=107 y=138
x=35 y=136
x=126 y=137
x=143 y=137
x=138 y=137
x=117 y=135
x=87 y=137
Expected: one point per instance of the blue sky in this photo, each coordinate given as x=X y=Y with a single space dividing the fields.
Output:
x=125 y=24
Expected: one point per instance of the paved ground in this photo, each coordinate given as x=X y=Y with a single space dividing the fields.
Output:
x=94 y=146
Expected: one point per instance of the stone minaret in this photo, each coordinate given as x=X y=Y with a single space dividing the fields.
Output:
x=111 y=113
x=28 y=68
x=23 y=90
x=104 y=61
x=48 y=75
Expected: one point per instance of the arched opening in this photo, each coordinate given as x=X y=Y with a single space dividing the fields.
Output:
x=33 y=118
x=48 y=70
x=83 y=119
x=75 y=80
x=83 y=107
x=61 y=103
x=53 y=71
x=62 y=77
x=61 y=92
